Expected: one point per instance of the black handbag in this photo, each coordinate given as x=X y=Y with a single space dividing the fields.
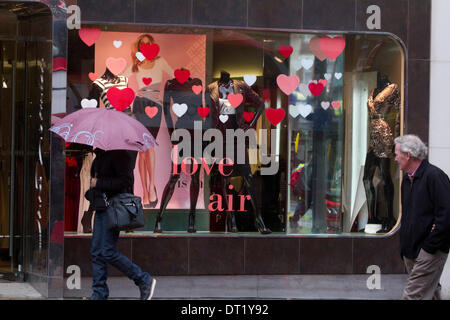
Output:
x=125 y=212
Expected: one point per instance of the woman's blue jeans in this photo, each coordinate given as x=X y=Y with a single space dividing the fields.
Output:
x=103 y=252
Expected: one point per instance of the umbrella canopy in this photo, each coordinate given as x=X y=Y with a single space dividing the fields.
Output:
x=104 y=129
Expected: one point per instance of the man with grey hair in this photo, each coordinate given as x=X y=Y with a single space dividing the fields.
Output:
x=425 y=222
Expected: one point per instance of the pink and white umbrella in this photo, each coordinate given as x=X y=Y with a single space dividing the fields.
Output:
x=104 y=129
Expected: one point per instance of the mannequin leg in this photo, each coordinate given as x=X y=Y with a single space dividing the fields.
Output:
x=167 y=195
x=194 y=190
x=143 y=173
x=369 y=171
x=230 y=219
x=259 y=223
x=151 y=161
x=388 y=193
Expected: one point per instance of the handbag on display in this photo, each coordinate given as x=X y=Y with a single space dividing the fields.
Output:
x=125 y=212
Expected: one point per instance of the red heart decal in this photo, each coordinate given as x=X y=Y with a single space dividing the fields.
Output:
x=147 y=81
x=324 y=82
x=275 y=116
x=197 y=89
x=286 y=51
x=151 y=111
x=315 y=88
x=332 y=47
x=150 y=51
x=203 y=112
x=120 y=99
x=182 y=75
x=248 y=116
x=93 y=76
x=336 y=104
x=89 y=35
x=235 y=99
x=314 y=45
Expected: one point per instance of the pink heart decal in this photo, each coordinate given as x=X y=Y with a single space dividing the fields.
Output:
x=150 y=51
x=324 y=82
x=315 y=88
x=286 y=51
x=203 y=112
x=146 y=81
x=287 y=84
x=332 y=47
x=120 y=99
x=197 y=89
x=248 y=116
x=275 y=116
x=151 y=111
x=93 y=76
x=235 y=99
x=89 y=35
x=182 y=75
x=116 y=66
x=314 y=45
x=335 y=104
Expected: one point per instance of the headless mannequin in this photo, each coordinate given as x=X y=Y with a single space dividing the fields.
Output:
x=181 y=93
x=374 y=161
x=244 y=171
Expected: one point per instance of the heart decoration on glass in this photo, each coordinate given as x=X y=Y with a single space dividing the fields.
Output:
x=223 y=118
x=117 y=43
x=86 y=103
x=314 y=45
x=286 y=51
x=116 y=66
x=120 y=99
x=179 y=109
x=304 y=90
x=335 y=104
x=249 y=79
x=338 y=75
x=89 y=35
x=93 y=76
x=150 y=51
x=275 y=116
x=315 y=88
x=287 y=84
x=325 y=105
x=332 y=47
x=294 y=111
x=151 y=111
x=197 y=89
x=248 y=116
x=235 y=99
x=203 y=111
x=182 y=75
x=305 y=110
x=147 y=81
x=324 y=82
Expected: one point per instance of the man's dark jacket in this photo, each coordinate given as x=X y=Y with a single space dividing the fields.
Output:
x=425 y=201
x=114 y=171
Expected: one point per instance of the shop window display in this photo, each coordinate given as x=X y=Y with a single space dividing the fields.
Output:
x=258 y=131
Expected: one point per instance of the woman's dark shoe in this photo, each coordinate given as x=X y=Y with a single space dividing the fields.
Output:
x=152 y=204
x=191 y=225
x=259 y=224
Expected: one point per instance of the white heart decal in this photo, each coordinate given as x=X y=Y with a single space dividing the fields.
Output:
x=307 y=63
x=85 y=103
x=294 y=111
x=327 y=76
x=297 y=63
x=325 y=105
x=179 y=109
x=338 y=75
x=304 y=90
x=223 y=118
x=117 y=43
x=305 y=110
x=140 y=56
x=249 y=79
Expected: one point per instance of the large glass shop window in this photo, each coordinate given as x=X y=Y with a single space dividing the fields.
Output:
x=258 y=132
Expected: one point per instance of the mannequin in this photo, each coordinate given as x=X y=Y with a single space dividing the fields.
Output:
x=383 y=100
x=181 y=93
x=220 y=105
x=98 y=92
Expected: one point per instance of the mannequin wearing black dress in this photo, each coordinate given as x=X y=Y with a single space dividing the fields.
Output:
x=180 y=93
x=218 y=92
